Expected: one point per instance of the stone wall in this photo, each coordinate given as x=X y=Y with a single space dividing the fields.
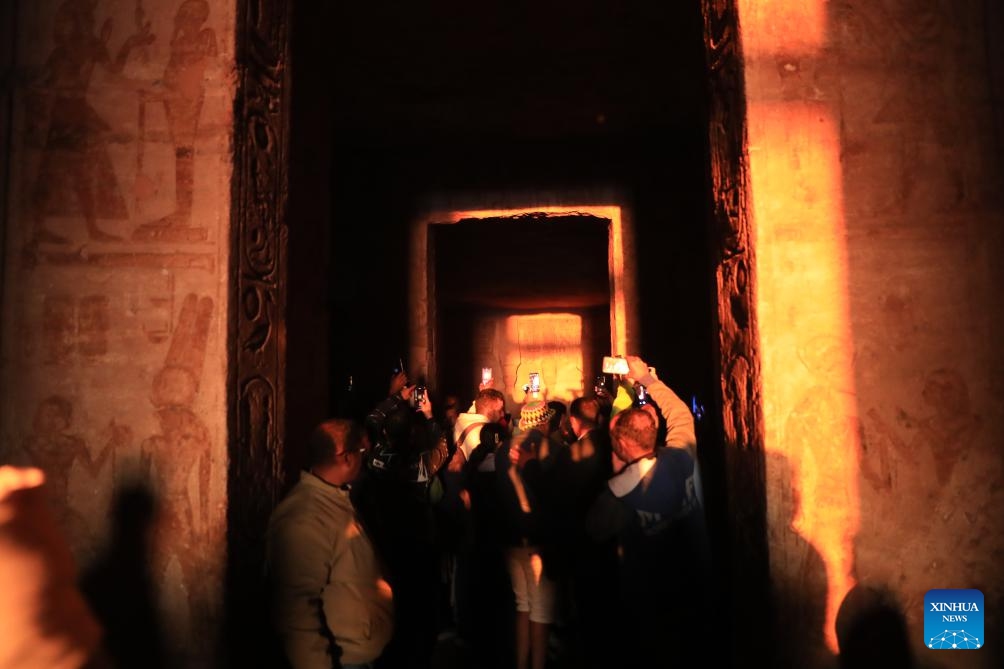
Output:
x=874 y=180
x=114 y=309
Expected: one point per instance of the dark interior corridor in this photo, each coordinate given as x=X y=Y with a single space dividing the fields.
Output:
x=551 y=105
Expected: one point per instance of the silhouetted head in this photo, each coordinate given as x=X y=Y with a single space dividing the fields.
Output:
x=633 y=434
x=871 y=631
x=584 y=414
x=451 y=407
x=559 y=413
x=335 y=451
x=492 y=436
x=490 y=403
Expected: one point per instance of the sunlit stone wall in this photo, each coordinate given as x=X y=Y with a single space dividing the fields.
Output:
x=875 y=173
x=115 y=286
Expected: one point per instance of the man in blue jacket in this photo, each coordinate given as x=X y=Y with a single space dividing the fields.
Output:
x=652 y=509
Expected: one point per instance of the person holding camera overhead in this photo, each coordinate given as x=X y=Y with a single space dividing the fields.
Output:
x=396 y=500
x=651 y=508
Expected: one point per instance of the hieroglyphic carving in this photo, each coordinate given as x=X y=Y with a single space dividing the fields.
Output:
x=80 y=257
x=70 y=324
x=153 y=306
x=258 y=243
x=92 y=325
x=8 y=12
x=733 y=234
x=732 y=239
x=57 y=328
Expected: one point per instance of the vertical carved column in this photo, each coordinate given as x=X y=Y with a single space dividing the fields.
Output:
x=8 y=43
x=739 y=373
x=257 y=341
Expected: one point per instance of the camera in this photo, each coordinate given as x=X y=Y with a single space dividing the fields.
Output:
x=615 y=365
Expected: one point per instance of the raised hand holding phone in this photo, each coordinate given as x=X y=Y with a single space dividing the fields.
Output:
x=534 y=384
x=637 y=368
x=487 y=379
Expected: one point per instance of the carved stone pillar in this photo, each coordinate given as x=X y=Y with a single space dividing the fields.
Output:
x=739 y=370
x=257 y=328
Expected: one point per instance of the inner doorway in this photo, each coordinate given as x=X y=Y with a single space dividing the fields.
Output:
x=517 y=294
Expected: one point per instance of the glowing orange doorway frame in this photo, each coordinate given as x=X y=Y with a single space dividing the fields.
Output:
x=623 y=319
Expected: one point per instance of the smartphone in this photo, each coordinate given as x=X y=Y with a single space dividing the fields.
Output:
x=642 y=396
x=486 y=375
x=419 y=395
x=534 y=382
x=614 y=365
x=600 y=385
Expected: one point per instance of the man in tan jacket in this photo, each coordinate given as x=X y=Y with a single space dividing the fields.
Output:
x=331 y=606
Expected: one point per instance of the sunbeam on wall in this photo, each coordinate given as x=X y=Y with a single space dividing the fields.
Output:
x=769 y=17
x=550 y=344
x=808 y=382
x=810 y=423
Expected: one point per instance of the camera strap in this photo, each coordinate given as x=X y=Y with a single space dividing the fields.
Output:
x=465 y=433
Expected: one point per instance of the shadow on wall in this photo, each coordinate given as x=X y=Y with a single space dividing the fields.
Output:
x=119 y=585
x=799 y=581
x=872 y=632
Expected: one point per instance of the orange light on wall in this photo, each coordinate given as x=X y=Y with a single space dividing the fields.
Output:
x=775 y=27
x=805 y=334
x=550 y=344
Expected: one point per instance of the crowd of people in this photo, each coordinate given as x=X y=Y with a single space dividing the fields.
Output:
x=576 y=530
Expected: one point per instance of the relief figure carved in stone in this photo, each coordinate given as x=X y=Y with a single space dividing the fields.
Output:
x=193 y=46
x=946 y=432
x=182 y=447
x=55 y=449
x=75 y=167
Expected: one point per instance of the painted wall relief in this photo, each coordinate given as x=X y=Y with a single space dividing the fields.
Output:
x=915 y=108
x=53 y=446
x=182 y=94
x=941 y=438
x=74 y=326
x=78 y=177
x=182 y=448
x=934 y=463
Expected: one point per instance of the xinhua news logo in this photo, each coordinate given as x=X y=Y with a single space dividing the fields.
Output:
x=953 y=619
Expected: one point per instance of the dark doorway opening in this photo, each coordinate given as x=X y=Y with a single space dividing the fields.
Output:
x=461 y=102
x=514 y=293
